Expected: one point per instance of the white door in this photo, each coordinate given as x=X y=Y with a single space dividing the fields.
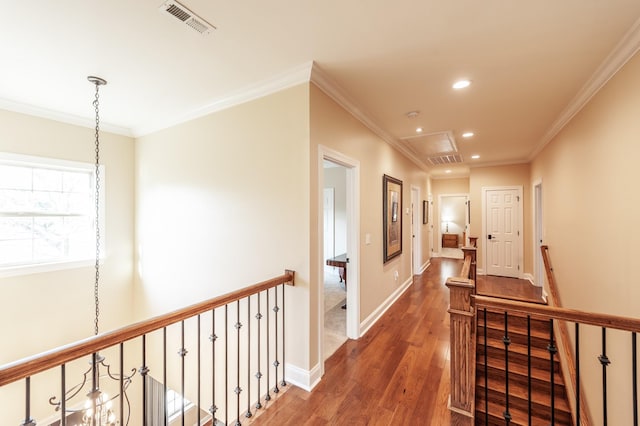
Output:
x=329 y=224
x=503 y=239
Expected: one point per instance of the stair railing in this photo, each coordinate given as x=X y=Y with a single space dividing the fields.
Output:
x=578 y=318
x=565 y=352
x=249 y=364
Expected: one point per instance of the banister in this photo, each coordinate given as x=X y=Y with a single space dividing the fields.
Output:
x=29 y=366
x=550 y=312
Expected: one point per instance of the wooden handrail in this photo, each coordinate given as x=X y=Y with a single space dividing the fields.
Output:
x=29 y=366
x=550 y=312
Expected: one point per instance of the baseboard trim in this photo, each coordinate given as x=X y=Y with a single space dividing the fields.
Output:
x=425 y=266
x=377 y=314
x=304 y=379
x=527 y=276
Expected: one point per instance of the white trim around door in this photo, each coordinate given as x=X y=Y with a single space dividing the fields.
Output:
x=353 y=244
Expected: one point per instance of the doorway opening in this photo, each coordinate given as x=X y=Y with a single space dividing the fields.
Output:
x=416 y=236
x=338 y=295
x=537 y=241
x=453 y=229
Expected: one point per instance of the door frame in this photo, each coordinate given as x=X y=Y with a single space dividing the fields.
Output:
x=416 y=240
x=519 y=217
x=353 y=244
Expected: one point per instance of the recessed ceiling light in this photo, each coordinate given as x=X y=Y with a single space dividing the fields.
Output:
x=419 y=130
x=475 y=157
x=412 y=114
x=447 y=171
x=467 y=134
x=461 y=84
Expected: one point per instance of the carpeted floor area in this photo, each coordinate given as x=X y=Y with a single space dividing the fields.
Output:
x=335 y=318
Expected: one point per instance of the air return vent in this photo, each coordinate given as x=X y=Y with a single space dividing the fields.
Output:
x=445 y=159
x=186 y=17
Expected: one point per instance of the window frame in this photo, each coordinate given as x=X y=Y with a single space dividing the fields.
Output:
x=59 y=164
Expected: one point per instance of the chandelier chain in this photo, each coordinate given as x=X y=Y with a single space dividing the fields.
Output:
x=96 y=104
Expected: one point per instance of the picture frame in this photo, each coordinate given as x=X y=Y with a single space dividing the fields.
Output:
x=425 y=212
x=391 y=217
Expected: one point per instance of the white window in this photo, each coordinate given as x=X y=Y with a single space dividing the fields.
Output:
x=47 y=212
x=175 y=402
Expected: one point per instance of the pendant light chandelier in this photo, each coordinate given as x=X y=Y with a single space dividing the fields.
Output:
x=98 y=409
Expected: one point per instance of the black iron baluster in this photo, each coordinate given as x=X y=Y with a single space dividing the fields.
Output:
x=212 y=338
x=507 y=341
x=552 y=351
x=198 y=363
x=634 y=379
x=144 y=370
x=248 y=413
x=604 y=360
x=238 y=390
x=259 y=374
x=577 y=373
x=95 y=380
x=122 y=383
x=226 y=364
x=486 y=372
x=275 y=362
x=283 y=382
x=28 y=421
x=268 y=396
x=63 y=402
x=182 y=353
x=164 y=372
x=529 y=369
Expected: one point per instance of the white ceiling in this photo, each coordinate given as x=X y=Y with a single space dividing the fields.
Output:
x=532 y=63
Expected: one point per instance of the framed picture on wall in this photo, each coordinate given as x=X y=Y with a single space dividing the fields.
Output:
x=425 y=212
x=391 y=217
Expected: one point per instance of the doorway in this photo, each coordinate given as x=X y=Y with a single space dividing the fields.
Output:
x=453 y=229
x=502 y=217
x=341 y=174
x=537 y=241
x=416 y=236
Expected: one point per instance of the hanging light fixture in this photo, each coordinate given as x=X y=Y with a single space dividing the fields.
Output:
x=98 y=409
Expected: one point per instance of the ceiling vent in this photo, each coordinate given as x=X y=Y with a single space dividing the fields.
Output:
x=186 y=17
x=445 y=159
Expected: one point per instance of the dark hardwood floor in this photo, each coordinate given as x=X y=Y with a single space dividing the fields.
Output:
x=397 y=374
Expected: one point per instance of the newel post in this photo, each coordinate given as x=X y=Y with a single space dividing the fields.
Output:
x=471 y=251
x=462 y=328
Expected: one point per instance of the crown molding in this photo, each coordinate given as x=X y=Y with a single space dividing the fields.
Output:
x=619 y=56
x=292 y=77
x=325 y=83
x=72 y=119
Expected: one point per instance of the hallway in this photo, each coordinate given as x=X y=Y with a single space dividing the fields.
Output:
x=398 y=373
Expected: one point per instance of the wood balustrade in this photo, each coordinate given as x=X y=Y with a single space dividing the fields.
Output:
x=38 y=363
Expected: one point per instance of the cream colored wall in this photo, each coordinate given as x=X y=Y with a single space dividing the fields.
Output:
x=223 y=202
x=41 y=311
x=589 y=174
x=335 y=128
x=513 y=175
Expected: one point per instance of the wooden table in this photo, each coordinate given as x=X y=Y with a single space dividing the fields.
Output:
x=340 y=262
